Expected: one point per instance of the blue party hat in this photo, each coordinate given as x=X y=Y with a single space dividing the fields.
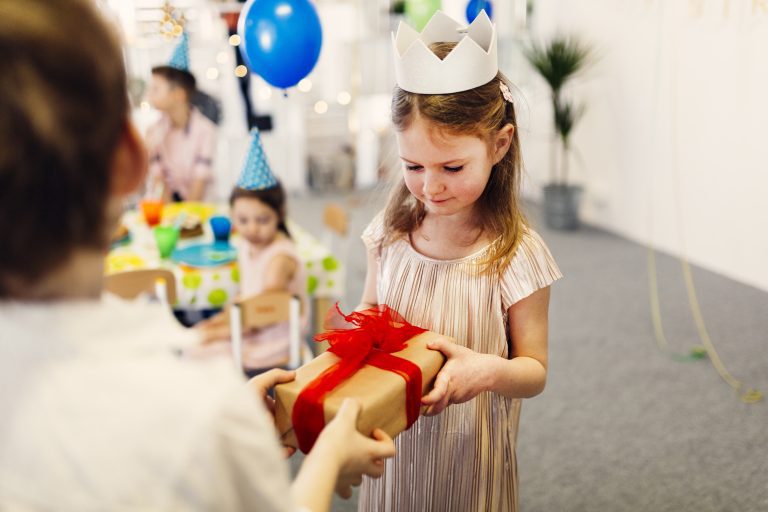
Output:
x=256 y=174
x=180 y=57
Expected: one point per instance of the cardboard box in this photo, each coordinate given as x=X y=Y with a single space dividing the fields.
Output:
x=381 y=393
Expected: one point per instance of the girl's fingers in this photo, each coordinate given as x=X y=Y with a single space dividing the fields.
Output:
x=438 y=391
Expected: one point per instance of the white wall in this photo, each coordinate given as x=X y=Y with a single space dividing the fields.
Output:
x=674 y=144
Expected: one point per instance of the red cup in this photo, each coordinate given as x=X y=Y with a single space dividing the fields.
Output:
x=152 y=210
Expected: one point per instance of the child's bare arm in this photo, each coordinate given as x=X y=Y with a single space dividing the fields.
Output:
x=466 y=374
x=279 y=273
x=370 y=297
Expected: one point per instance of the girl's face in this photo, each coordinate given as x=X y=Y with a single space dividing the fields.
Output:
x=255 y=221
x=446 y=172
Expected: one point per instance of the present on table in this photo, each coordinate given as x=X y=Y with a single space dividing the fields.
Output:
x=381 y=360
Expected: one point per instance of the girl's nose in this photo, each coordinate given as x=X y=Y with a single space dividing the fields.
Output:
x=433 y=184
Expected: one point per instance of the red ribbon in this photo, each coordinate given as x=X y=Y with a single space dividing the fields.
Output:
x=374 y=335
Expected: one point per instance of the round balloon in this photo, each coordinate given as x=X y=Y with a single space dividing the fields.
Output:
x=280 y=39
x=419 y=12
x=475 y=6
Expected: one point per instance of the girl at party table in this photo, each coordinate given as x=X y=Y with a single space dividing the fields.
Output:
x=453 y=253
x=97 y=411
x=267 y=260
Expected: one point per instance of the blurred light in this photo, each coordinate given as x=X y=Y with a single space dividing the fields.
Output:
x=265 y=93
x=284 y=10
x=145 y=105
x=305 y=85
x=222 y=57
x=321 y=107
x=234 y=40
x=344 y=98
x=212 y=73
x=241 y=71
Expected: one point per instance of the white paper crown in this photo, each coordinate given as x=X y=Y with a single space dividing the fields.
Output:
x=472 y=62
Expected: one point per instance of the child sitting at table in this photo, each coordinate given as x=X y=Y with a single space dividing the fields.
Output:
x=267 y=259
x=183 y=141
x=97 y=412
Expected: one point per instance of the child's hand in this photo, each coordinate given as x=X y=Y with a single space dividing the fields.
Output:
x=462 y=378
x=357 y=454
x=262 y=384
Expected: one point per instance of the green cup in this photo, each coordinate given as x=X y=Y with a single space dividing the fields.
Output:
x=166 y=238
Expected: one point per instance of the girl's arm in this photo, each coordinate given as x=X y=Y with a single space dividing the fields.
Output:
x=279 y=273
x=370 y=297
x=467 y=373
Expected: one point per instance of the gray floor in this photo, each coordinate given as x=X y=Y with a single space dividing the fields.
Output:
x=622 y=426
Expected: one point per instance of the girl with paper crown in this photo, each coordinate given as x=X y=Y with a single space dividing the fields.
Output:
x=453 y=253
x=267 y=259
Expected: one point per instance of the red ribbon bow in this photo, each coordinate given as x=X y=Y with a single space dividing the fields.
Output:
x=374 y=335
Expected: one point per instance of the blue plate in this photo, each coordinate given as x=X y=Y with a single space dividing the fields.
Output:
x=205 y=255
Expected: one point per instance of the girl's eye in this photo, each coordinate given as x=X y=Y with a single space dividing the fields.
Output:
x=413 y=167
x=453 y=169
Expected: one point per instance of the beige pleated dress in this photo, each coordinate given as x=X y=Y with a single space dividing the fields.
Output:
x=462 y=460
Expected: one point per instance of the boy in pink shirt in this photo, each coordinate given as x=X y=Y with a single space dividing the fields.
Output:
x=182 y=143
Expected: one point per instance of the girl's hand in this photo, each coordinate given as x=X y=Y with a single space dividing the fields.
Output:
x=462 y=378
x=357 y=454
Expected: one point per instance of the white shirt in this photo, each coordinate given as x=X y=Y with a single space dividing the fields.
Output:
x=98 y=414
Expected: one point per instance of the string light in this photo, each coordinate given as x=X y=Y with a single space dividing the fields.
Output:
x=305 y=85
x=241 y=71
x=212 y=73
x=172 y=23
x=234 y=40
x=344 y=98
x=265 y=93
x=321 y=107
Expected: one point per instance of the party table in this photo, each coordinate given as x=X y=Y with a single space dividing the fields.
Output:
x=214 y=281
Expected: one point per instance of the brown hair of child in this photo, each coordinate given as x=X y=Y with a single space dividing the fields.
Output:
x=274 y=197
x=63 y=109
x=479 y=112
x=177 y=78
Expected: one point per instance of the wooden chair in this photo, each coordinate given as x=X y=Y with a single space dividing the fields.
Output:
x=336 y=218
x=262 y=310
x=157 y=282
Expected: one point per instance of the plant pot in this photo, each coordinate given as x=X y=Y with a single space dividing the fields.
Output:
x=561 y=206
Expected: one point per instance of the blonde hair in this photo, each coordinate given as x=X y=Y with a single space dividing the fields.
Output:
x=479 y=112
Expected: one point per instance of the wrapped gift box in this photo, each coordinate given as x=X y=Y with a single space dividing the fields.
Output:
x=381 y=393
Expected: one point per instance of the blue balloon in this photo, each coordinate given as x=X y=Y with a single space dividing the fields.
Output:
x=475 y=6
x=280 y=39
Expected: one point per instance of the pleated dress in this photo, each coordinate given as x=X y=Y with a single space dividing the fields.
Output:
x=463 y=459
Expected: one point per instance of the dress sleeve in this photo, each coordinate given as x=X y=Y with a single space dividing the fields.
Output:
x=531 y=269
x=373 y=234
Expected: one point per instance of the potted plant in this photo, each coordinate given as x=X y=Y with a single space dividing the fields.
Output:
x=557 y=62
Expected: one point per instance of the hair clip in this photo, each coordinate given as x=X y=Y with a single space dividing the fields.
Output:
x=506 y=92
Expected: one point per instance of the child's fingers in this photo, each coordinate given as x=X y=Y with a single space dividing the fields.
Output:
x=444 y=345
x=438 y=391
x=383 y=446
x=268 y=380
x=344 y=491
x=349 y=410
